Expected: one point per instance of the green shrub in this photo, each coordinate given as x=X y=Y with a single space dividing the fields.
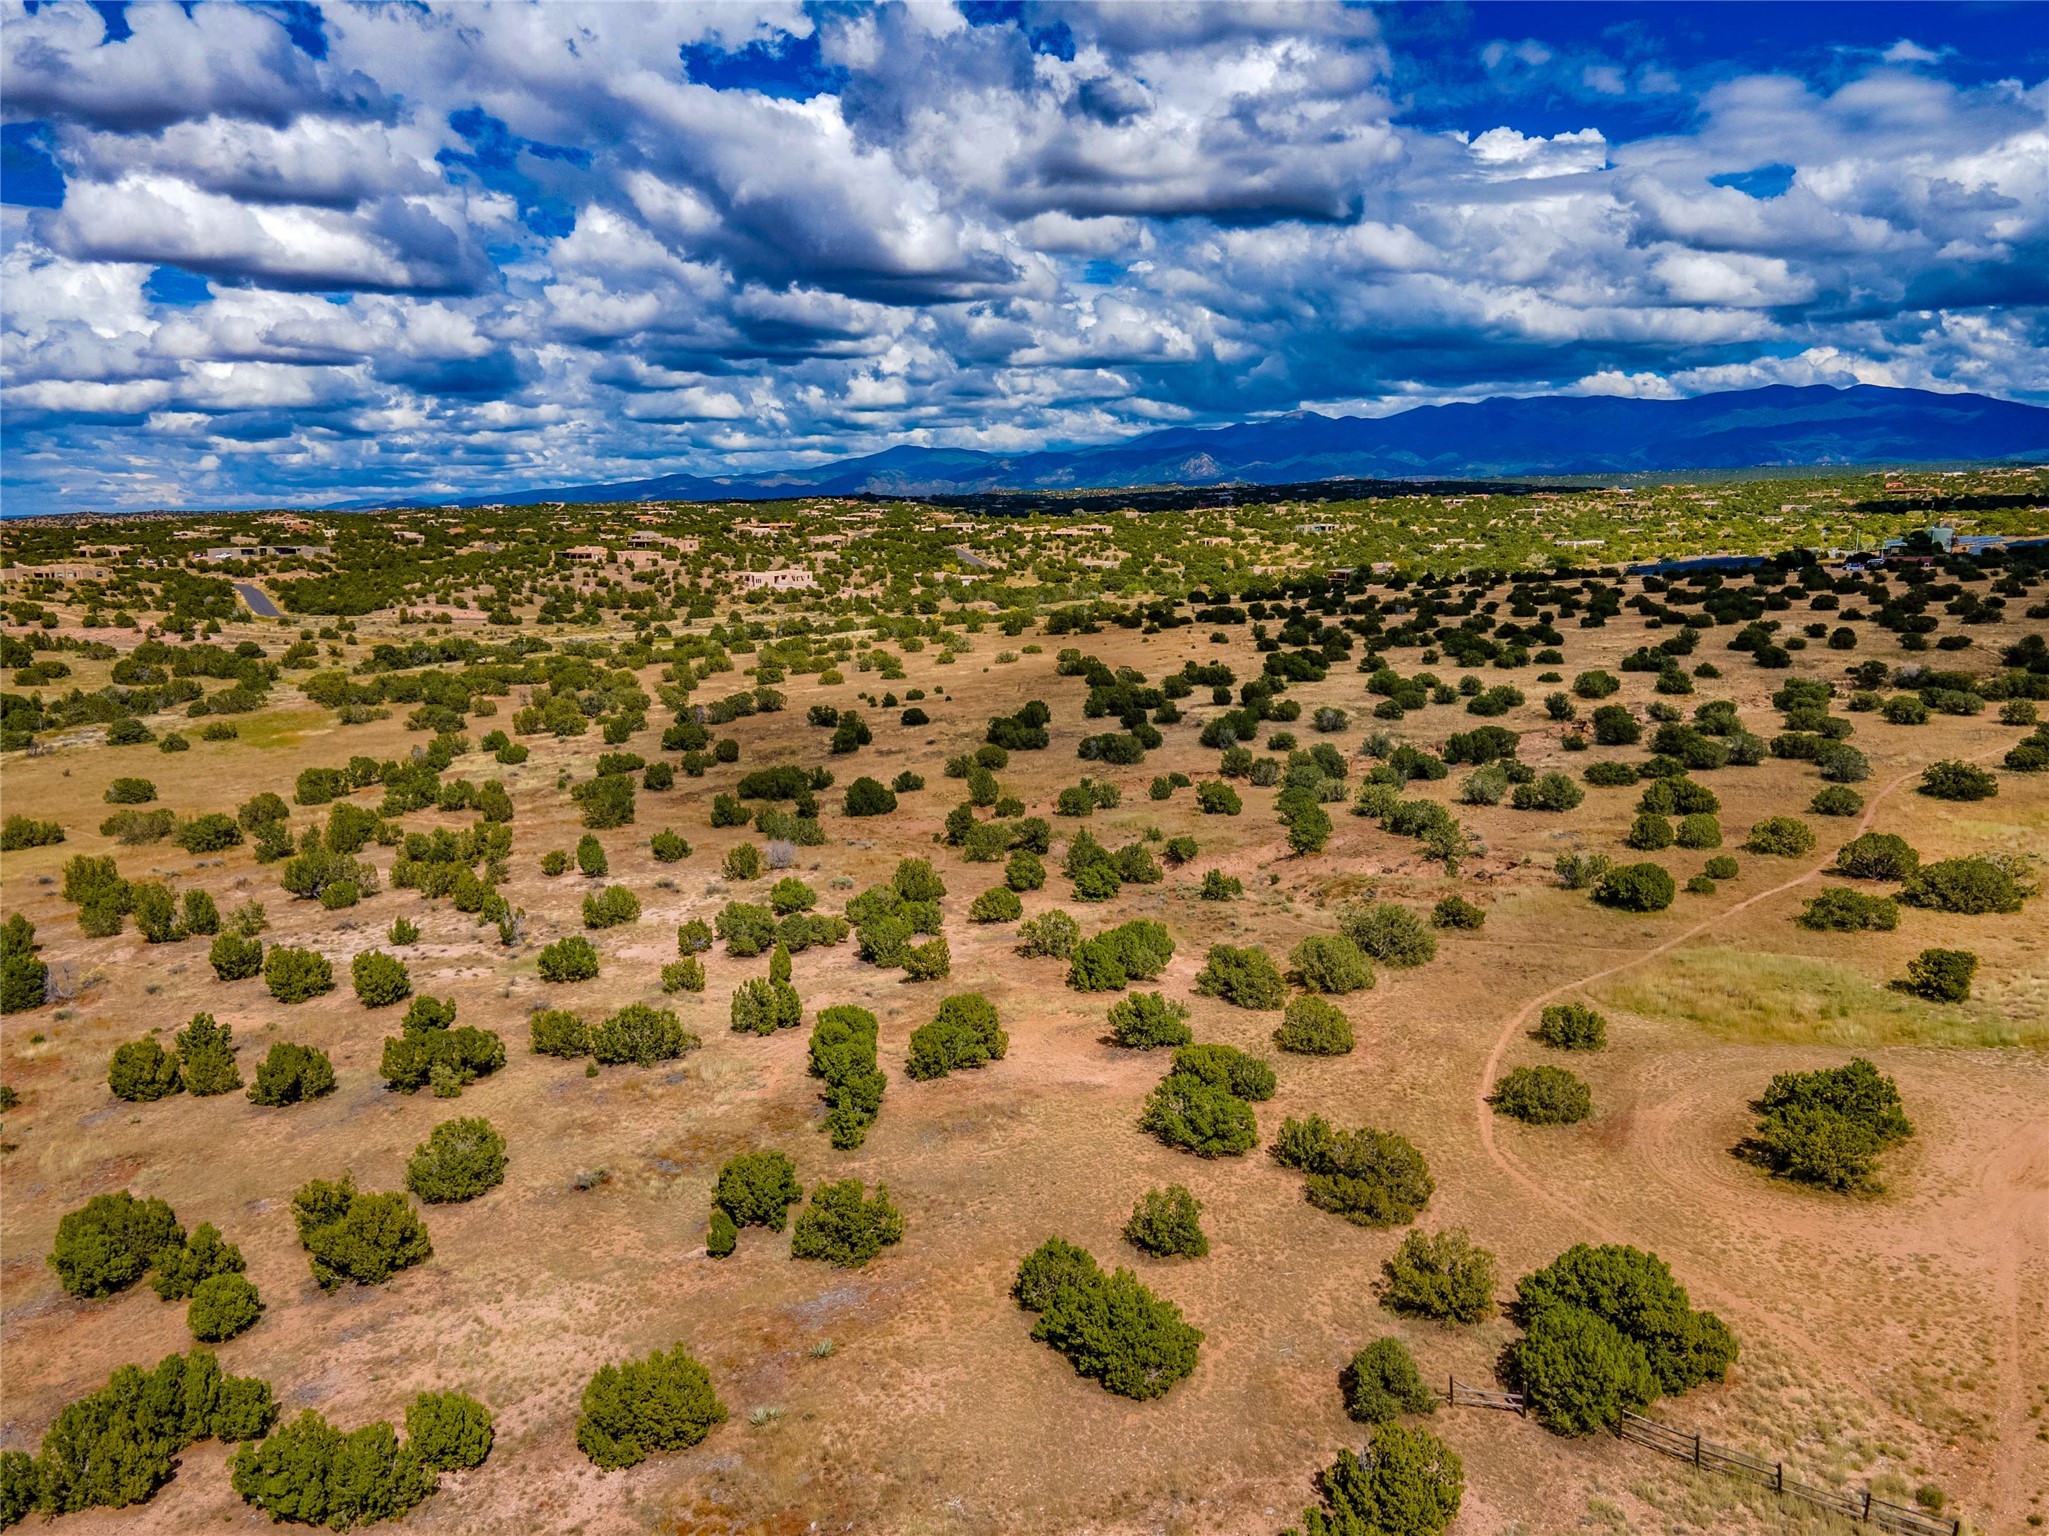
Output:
x=1698 y=831
x=1218 y=886
x=742 y=863
x=1442 y=1277
x=640 y=1035
x=1572 y=1027
x=1877 y=856
x=1382 y=1383
x=843 y=1055
x=1052 y=934
x=130 y=791
x=611 y=908
x=1145 y=1021
x=1542 y=1096
x=632 y=1411
x=668 y=847
x=200 y=915
x=1633 y=1292
x=1167 y=1223
x=117 y=1446
x=1721 y=867
x=1390 y=933
x=450 y=1431
x=558 y=1032
x=222 y=1307
x=183 y=1265
x=459 y=1160
x=1216 y=798
x=721 y=1237
x=141 y=1071
x=24 y=979
x=1972 y=886
x=569 y=959
x=1610 y=775
x=1942 y=975
x=1025 y=871
x=1577 y=871
x=312 y=1473
x=1245 y=978
x=428 y=1052
x=1195 y=1115
x=757 y=1189
x=380 y=980
x=761 y=1007
x=235 y=958
x=1547 y=792
x=1330 y=963
x=963 y=1035
x=295 y=975
x=1636 y=888
x=607 y=800
x=1954 y=780
x=869 y=797
x=928 y=962
x=1836 y=800
x=350 y=1236
x=109 y=1242
x=1650 y=832
x=790 y=894
x=999 y=904
x=206 y=1052
x=21 y=832
x=842 y=1227
x=209 y=833
x=1578 y=1372
x=1784 y=837
x=685 y=975
x=747 y=928
x=291 y=1074
x=1410 y=1483
x=1838 y=909
x=1312 y=1027
x=1110 y=1327
x=1371 y=1178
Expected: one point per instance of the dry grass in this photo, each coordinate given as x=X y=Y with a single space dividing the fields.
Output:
x=1751 y=995
x=933 y=1411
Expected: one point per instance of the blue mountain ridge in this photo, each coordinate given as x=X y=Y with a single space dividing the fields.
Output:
x=1776 y=426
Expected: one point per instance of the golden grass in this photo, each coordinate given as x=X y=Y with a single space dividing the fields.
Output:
x=279 y=727
x=1790 y=999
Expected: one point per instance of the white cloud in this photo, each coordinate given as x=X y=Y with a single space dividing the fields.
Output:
x=1206 y=211
x=1907 y=51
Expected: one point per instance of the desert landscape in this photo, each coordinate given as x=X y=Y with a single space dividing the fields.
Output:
x=1891 y=1333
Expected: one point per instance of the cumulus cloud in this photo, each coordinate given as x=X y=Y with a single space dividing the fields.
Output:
x=480 y=245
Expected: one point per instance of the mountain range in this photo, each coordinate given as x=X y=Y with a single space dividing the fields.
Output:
x=1776 y=426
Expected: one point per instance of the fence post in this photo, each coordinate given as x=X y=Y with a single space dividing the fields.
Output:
x=1779 y=1478
x=1451 y=1390
x=1696 y=1453
x=1867 y=1503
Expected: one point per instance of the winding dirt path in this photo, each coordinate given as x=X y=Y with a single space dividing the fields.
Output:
x=2014 y=1186
x=1519 y=1020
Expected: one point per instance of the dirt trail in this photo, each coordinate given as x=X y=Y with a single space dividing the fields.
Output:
x=2015 y=1185
x=1519 y=1020
x=2014 y=1202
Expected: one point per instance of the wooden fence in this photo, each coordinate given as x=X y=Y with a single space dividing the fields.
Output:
x=1710 y=1457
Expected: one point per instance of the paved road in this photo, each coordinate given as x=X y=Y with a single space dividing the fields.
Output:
x=258 y=600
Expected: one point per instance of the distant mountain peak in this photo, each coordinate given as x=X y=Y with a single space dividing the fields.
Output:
x=1775 y=425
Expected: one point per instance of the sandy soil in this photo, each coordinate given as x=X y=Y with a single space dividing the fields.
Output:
x=1899 y=1336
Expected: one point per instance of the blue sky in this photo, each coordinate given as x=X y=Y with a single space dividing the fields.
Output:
x=289 y=253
